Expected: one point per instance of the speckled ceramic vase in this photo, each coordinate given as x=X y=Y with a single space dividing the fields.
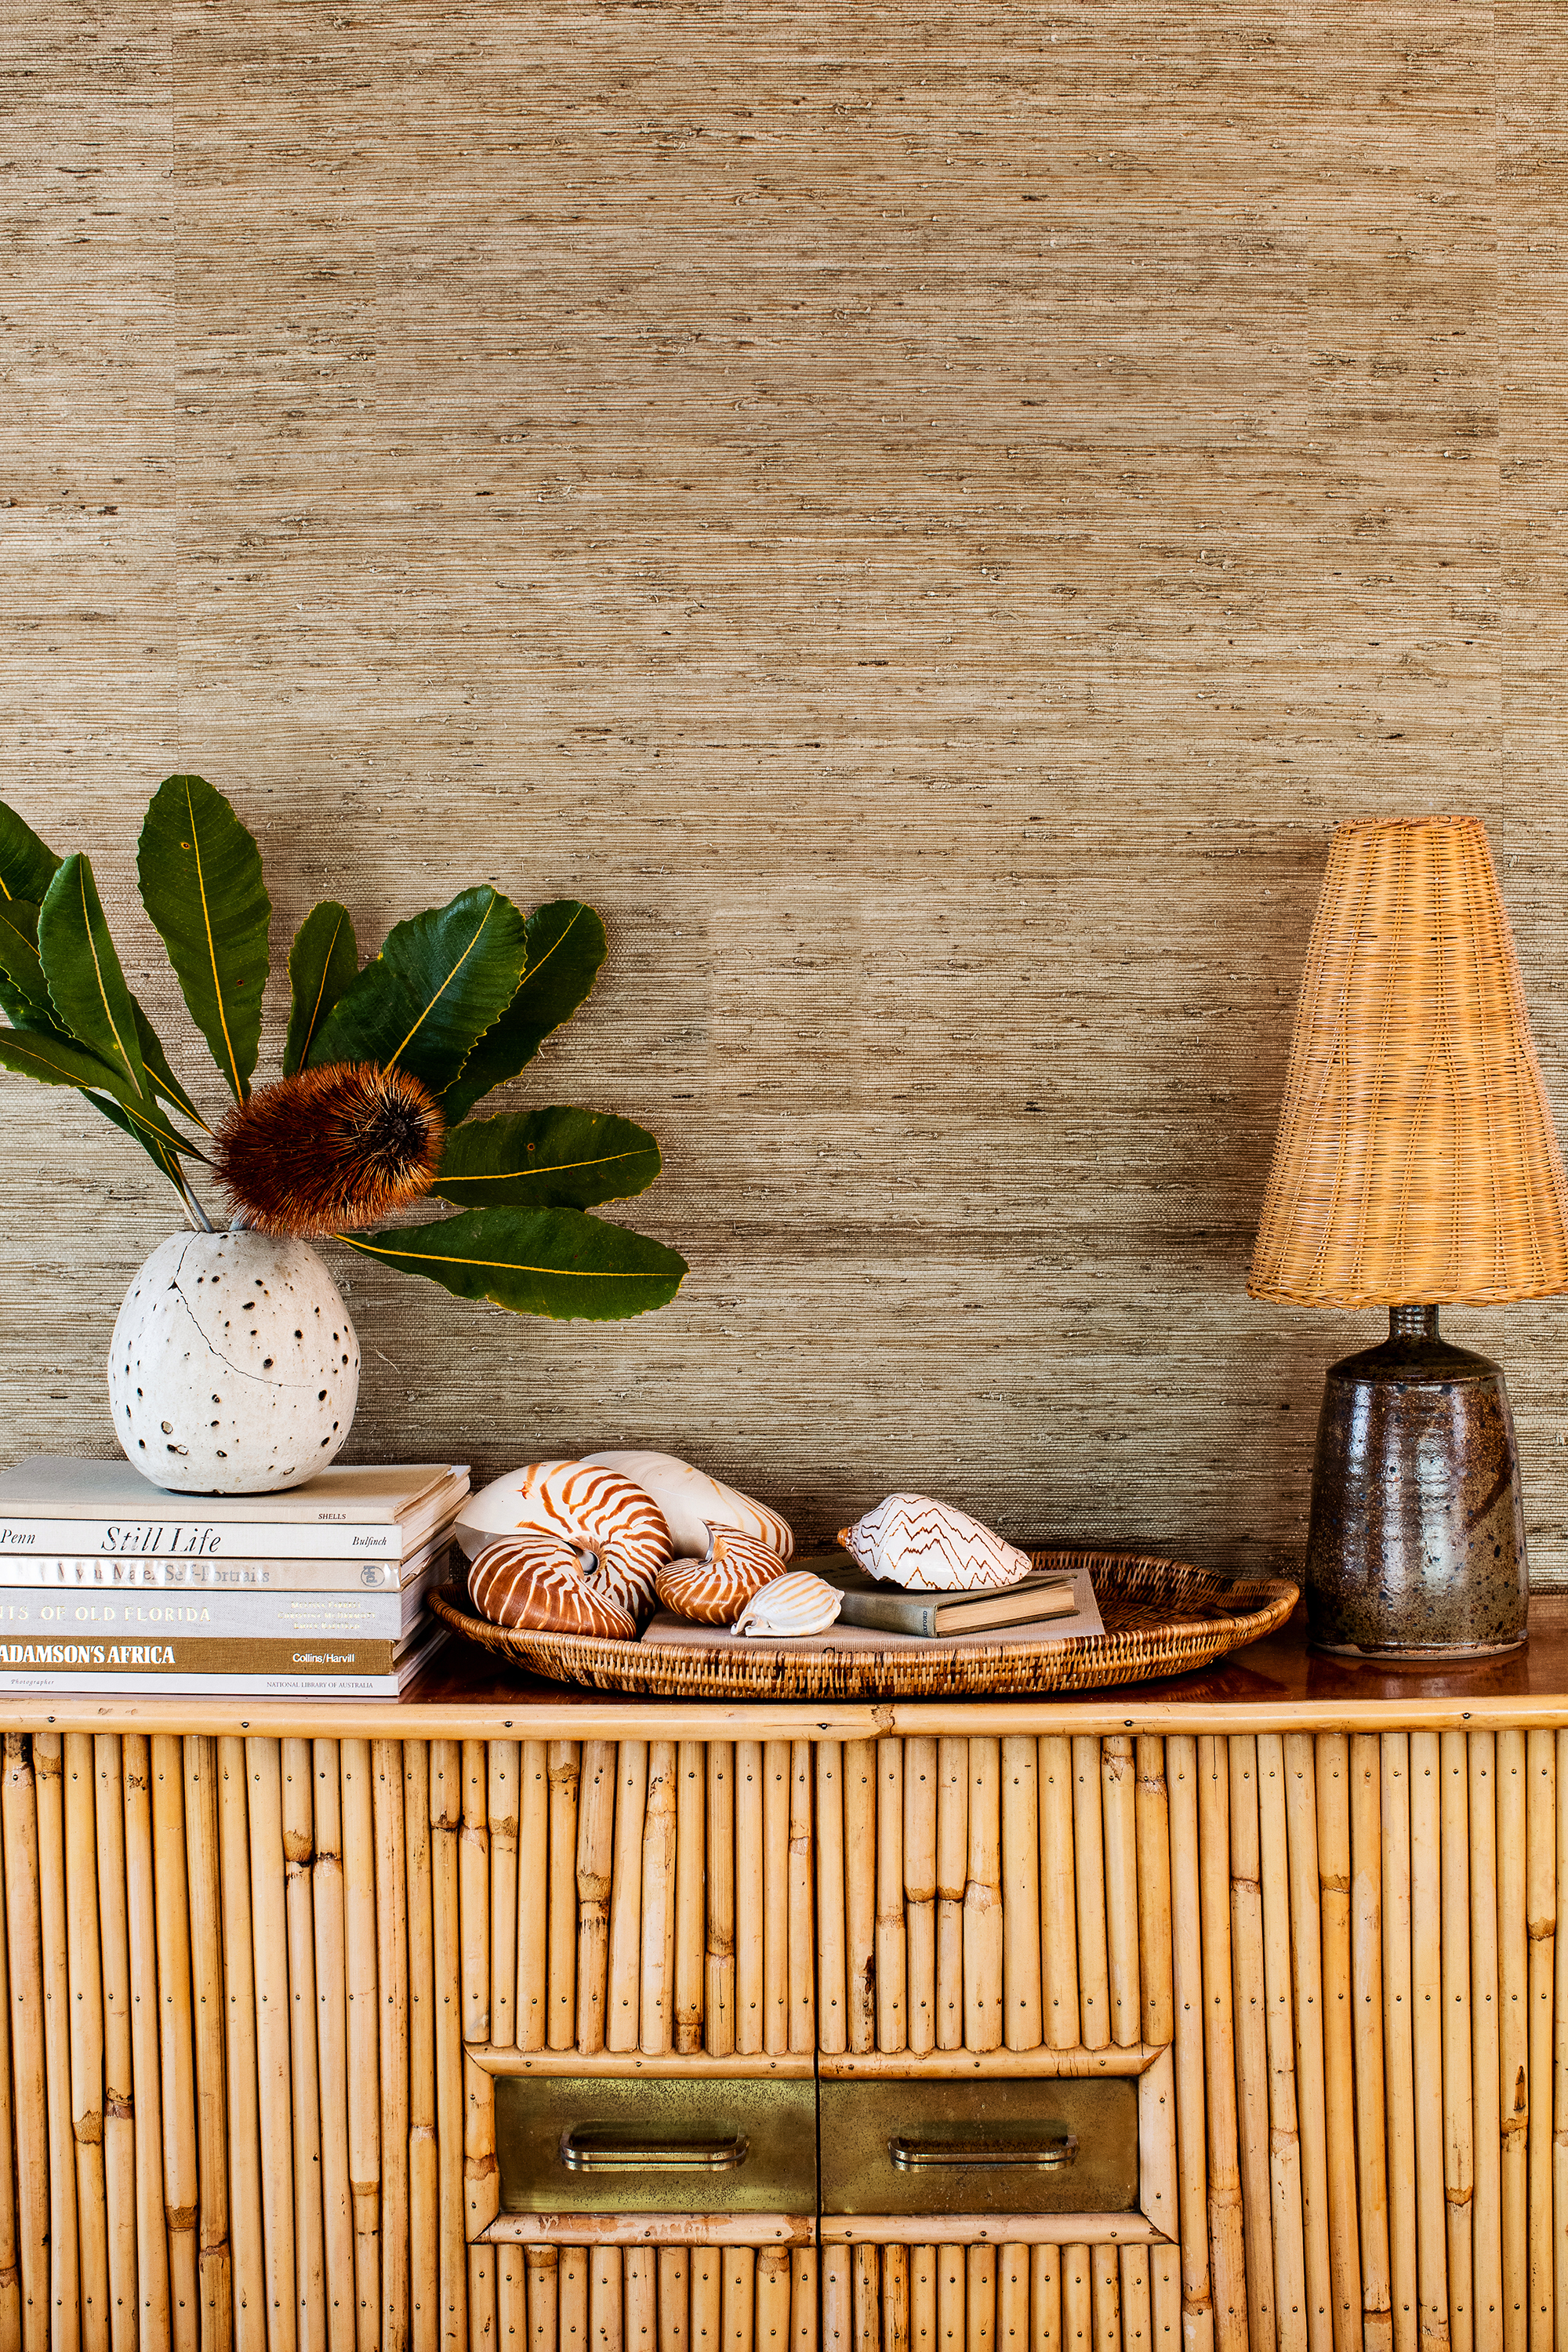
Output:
x=1415 y=1548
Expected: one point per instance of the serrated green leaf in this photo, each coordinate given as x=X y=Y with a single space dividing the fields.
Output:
x=555 y=1158
x=322 y=962
x=156 y=1063
x=441 y=981
x=27 y=866
x=86 y=983
x=566 y=946
x=201 y=884
x=552 y=1261
x=25 y=991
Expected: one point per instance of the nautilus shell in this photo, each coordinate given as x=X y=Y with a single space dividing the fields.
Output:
x=714 y=1590
x=537 y=1583
x=599 y=1512
x=791 y=1605
x=930 y=1548
x=692 y=1503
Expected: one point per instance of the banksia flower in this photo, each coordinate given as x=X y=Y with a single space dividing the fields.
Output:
x=330 y=1149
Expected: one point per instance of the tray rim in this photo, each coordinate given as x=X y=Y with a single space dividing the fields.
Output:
x=1258 y=1606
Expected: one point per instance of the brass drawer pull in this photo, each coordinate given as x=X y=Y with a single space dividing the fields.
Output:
x=918 y=2155
x=590 y=2147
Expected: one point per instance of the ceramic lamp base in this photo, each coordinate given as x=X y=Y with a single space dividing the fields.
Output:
x=1416 y=1546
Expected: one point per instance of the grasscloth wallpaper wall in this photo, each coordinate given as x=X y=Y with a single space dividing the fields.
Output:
x=926 y=518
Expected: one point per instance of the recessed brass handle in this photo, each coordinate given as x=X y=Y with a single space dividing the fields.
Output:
x=1044 y=2155
x=595 y=2148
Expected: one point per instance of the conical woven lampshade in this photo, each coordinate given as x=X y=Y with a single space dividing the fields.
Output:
x=1416 y=1160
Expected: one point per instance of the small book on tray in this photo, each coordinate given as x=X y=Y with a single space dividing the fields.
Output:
x=892 y=1609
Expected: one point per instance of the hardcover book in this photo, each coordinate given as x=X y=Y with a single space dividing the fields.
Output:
x=52 y=1503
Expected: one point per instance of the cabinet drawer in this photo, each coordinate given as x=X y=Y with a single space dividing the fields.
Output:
x=1036 y=2146
x=609 y=2144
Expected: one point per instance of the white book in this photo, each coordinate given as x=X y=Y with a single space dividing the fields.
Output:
x=144 y=1612
x=51 y=1504
x=215 y=1572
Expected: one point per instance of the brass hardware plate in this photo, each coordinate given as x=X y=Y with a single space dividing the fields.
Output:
x=607 y=2144
x=996 y=2146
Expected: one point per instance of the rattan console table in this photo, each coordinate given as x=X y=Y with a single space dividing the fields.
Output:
x=270 y=1980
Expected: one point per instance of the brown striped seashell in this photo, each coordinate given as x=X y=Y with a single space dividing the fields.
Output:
x=714 y=1590
x=538 y=1583
x=790 y=1606
x=598 y=1511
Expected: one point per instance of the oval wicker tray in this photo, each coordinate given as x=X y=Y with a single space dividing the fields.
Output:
x=1160 y=1617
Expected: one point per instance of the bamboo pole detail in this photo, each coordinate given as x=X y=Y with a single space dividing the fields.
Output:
x=1013 y=2298
x=1486 y=2207
x=1088 y=1854
x=775 y=1895
x=1022 y=2009
x=718 y=1960
x=1105 y=2286
x=482 y=2294
x=1427 y=2035
x=1399 y=2031
x=923 y=2335
x=1154 y=1837
x=864 y=2299
x=269 y=1930
x=446 y=1824
x=674 y=2293
x=980 y=2300
x=621 y=2012
x=24 y=1970
x=595 y=1877
x=298 y=1773
x=533 y=1996
x=424 y=2158
x=215 y=2264
x=952 y=1879
x=604 y=2279
x=771 y=2322
x=983 y=1910
x=1078 y=2302
x=512 y=2297
x=331 y=2042
x=119 y=2109
x=657 y=1994
x=571 y=2306
x=474 y=1893
x=84 y=2027
x=65 y=2283
x=1226 y=2257
x=1366 y=2037
x=860 y=1891
x=1459 y=2112
x=1058 y=1894
x=1136 y=2312
x=690 y=1927
x=951 y=2270
x=833 y=2013
x=803 y=2299
x=1339 y=2047
x=504 y=1757
x=1284 y=2132
x=248 y=2270
x=1119 y=1796
x=639 y=2294
x=739 y=2311
x=562 y=1765
x=707 y=2288
x=1306 y=1911
x=10 y=2250
x=837 y=2330
x=895 y=2286
x=176 y=2056
x=364 y=2031
x=1166 y=2301
x=1541 y=1917
x=1560 y=2068
x=542 y=2266
x=1046 y=2301
x=920 y=1902
x=1513 y=2035
x=1187 y=1990
x=1250 y=2014
x=891 y=1945
x=801 y=2038
x=152 y=2236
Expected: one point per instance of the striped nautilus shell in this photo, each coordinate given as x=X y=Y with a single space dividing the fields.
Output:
x=790 y=1606
x=607 y=1517
x=692 y=1503
x=713 y=1591
x=930 y=1548
x=537 y=1583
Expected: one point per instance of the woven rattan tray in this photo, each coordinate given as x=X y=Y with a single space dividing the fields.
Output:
x=1160 y=1617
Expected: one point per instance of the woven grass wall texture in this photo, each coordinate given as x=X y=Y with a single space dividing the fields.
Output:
x=926 y=518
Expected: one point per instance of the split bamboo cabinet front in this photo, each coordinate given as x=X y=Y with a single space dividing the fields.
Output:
x=1224 y=2012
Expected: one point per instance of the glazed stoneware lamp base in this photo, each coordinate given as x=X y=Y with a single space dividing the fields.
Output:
x=1415 y=1546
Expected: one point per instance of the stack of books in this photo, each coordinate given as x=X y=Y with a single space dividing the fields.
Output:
x=108 y=1583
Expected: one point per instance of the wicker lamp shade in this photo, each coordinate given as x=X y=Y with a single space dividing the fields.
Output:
x=1415 y=1158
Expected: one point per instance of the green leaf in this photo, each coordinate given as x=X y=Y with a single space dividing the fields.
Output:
x=85 y=980
x=566 y=945
x=26 y=866
x=60 y=1062
x=24 y=993
x=201 y=884
x=322 y=960
x=156 y=1063
x=535 y=1261
x=439 y=981
x=157 y=1150
x=554 y=1158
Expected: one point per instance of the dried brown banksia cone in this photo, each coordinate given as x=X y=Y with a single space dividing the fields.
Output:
x=330 y=1149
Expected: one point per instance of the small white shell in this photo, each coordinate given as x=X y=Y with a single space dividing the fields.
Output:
x=692 y=1503
x=791 y=1605
x=929 y=1547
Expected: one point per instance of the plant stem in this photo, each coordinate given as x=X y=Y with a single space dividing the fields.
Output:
x=194 y=1208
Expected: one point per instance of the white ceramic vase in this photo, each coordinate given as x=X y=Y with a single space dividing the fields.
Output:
x=234 y=1368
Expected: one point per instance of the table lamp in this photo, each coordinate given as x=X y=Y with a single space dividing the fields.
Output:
x=1416 y=1166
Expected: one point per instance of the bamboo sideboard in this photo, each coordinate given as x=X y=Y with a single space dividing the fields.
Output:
x=260 y=1977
